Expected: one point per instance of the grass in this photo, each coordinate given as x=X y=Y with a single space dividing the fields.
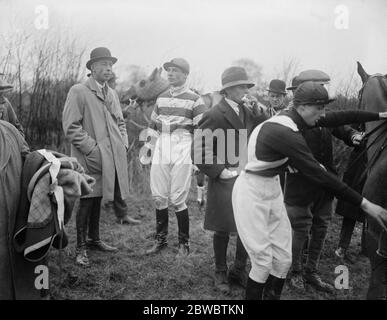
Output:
x=129 y=274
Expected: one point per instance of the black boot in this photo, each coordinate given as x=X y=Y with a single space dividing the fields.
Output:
x=161 y=231
x=273 y=288
x=238 y=274
x=254 y=290
x=183 y=231
x=220 y=243
x=81 y=225
x=94 y=242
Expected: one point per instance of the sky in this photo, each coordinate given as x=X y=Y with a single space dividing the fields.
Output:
x=329 y=35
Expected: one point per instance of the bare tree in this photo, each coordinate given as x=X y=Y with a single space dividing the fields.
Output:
x=289 y=69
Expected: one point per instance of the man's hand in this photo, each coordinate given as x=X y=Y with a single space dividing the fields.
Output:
x=129 y=107
x=376 y=212
x=357 y=138
x=383 y=115
x=227 y=174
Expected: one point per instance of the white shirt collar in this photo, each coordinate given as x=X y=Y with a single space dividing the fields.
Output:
x=101 y=86
x=233 y=105
x=175 y=91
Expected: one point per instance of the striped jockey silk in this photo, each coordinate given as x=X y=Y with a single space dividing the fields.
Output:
x=181 y=109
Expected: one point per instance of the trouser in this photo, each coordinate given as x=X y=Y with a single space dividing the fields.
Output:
x=313 y=218
x=347 y=227
x=87 y=220
x=171 y=171
x=119 y=205
x=220 y=244
x=263 y=225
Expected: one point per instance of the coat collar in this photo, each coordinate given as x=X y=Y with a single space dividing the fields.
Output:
x=230 y=115
x=92 y=85
x=295 y=116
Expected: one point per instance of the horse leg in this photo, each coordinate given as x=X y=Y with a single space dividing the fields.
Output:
x=378 y=281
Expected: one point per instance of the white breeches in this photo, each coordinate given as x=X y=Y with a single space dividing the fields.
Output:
x=171 y=171
x=263 y=225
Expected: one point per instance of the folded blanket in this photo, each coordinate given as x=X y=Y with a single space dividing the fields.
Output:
x=53 y=188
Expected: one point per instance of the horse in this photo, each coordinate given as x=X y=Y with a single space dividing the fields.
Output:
x=373 y=97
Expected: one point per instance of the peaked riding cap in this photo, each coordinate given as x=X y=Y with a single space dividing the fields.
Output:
x=180 y=63
x=312 y=93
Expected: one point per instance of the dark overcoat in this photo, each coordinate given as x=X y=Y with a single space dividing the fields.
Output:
x=220 y=149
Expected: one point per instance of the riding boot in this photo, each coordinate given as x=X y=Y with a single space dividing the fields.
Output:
x=161 y=231
x=94 y=242
x=220 y=243
x=94 y=225
x=273 y=288
x=81 y=226
x=238 y=274
x=183 y=231
x=254 y=290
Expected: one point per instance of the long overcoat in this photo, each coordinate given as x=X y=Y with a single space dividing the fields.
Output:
x=219 y=214
x=17 y=275
x=96 y=129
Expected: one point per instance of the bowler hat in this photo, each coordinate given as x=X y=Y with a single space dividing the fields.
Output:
x=180 y=63
x=235 y=76
x=99 y=54
x=312 y=93
x=277 y=86
x=5 y=86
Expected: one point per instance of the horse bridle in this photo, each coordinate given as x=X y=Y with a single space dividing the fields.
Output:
x=377 y=153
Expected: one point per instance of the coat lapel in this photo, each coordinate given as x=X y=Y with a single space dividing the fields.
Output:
x=230 y=115
x=92 y=85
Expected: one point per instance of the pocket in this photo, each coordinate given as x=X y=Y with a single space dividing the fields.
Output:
x=94 y=161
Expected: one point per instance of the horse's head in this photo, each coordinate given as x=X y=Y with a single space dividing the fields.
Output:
x=373 y=94
x=147 y=89
x=362 y=73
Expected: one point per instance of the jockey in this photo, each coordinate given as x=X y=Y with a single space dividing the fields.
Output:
x=259 y=210
x=176 y=113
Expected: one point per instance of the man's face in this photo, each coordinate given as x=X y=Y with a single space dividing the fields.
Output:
x=102 y=70
x=276 y=100
x=236 y=93
x=311 y=113
x=176 y=76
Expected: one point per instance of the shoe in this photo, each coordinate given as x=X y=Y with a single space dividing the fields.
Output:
x=183 y=250
x=221 y=282
x=128 y=220
x=297 y=281
x=200 y=202
x=238 y=277
x=344 y=255
x=100 y=246
x=314 y=279
x=82 y=258
x=157 y=247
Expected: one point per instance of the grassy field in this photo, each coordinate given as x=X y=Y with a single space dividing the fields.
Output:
x=129 y=274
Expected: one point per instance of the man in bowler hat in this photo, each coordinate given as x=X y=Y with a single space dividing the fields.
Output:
x=93 y=123
x=277 y=94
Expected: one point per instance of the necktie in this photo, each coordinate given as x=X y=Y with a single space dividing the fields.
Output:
x=241 y=113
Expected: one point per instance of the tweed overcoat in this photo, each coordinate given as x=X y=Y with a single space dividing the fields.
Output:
x=96 y=129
